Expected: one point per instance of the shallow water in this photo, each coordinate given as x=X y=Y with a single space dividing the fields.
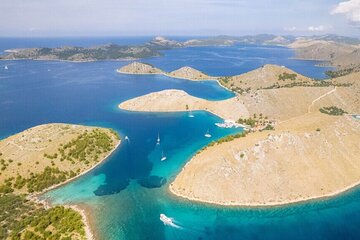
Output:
x=124 y=199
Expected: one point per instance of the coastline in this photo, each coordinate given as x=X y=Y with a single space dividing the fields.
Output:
x=176 y=187
x=36 y=195
x=84 y=215
x=270 y=204
x=76 y=207
x=171 y=76
x=179 y=111
x=72 y=61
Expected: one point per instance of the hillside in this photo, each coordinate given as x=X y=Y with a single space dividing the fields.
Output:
x=305 y=158
x=178 y=100
x=37 y=160
x=139 y=68
x=53 y=151
x=338 y=54
x=190 y=73
x=268 y=76
x=236 y=170
x=186 y=72
x=280 y=102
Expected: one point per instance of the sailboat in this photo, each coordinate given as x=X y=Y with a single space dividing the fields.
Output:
x=158 y=140
x=207 y=134
x=191 y=115
x=127 y=138
x=163 y=157
x=6 y=67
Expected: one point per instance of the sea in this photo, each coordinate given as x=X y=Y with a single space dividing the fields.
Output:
x=126 y=194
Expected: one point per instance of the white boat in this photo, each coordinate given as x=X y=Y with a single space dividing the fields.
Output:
x=127 y=138
x=163 y=157
x=166 y=220
x=207 y=134
x=158 y=140
x=6 y=67
x=228 y=123
x=191 y=115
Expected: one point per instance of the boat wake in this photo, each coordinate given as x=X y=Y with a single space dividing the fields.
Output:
x=169 y=221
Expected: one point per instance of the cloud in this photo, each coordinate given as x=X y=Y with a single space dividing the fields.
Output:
x=291 y=29
x=351 y=9
x=320 y=28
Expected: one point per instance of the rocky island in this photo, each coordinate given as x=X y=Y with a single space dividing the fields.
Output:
x=41 y=158
x=186 y=72
x=303 y=144
x=82 y=54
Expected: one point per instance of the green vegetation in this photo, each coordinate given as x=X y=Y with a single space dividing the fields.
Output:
x=255 y=121
x=230 y=138
x=342 y=72
x=86 y=147
x=224 y=80
x=333 y=110
x=106 y=52
x=315 y=83
x=224 y=139
x=24 y=219
x=3 y=164
x=287 y=76
x=268 y=127
x=36 y=182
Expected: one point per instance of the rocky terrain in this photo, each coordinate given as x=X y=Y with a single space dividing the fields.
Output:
x=188 y=73
x=41 y=158
x=279 y=165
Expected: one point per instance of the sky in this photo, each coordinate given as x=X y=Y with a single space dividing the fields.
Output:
x=47 y=18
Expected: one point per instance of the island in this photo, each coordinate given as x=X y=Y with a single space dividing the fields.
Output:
x=186 y=72
x=42 y=158
x=303 y=141
x=178 y=100
x=343 y=53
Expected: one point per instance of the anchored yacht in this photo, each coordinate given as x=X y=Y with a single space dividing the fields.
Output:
x=207 y=134
x=163 y=157
x=158 y=140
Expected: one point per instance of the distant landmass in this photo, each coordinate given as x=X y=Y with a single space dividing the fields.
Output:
x=338 y=51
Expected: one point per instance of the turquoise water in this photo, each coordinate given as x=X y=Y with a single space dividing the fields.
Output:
x=128 y=191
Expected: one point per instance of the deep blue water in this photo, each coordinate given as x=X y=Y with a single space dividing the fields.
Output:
x=119 y=192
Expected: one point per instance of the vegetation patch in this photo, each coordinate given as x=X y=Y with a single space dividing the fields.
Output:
x=342 y=72
x=287 y=76
x=24 y=219
x=333 y=110
x=86 y=147
x=255 y=121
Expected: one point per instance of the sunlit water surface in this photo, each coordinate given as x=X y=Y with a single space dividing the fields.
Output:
x=129 y=190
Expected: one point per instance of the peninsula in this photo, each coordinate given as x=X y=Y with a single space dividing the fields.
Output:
x=188 y=73
x=337 y=51
x=41 y=158
x=306 y=149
